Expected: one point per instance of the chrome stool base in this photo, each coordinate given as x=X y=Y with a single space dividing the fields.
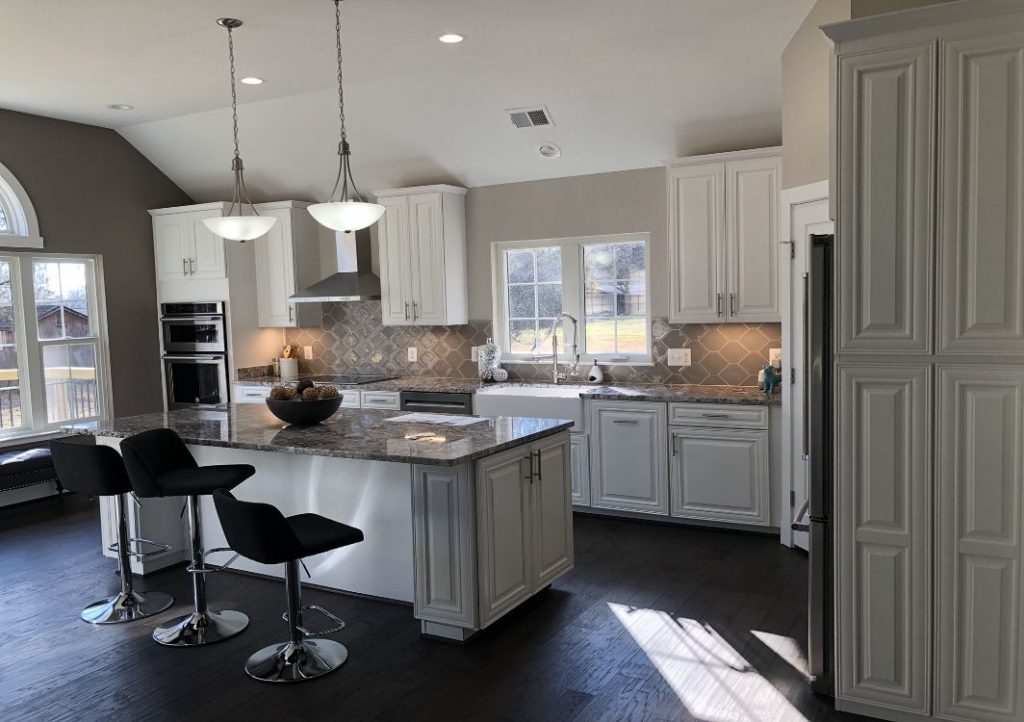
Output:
x=296 y=662
x=197 y=629
x=126 y=607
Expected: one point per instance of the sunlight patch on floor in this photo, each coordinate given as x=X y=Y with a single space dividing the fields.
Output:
x=710 y=677
x=787 y=648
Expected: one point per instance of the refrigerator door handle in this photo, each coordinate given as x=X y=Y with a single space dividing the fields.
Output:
x=805 y=421
x=798 y=523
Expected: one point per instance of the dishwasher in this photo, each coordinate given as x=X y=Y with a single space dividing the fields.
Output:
x=436 y=402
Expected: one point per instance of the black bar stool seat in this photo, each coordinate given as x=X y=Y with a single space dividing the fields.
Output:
x=99 y=471
x=262 y=533
x=159 y=465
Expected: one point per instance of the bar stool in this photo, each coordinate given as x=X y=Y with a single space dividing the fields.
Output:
x=262 y=533
x=159 y=464
x=99 y=471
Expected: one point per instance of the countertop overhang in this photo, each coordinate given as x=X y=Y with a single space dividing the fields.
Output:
x=351 y=433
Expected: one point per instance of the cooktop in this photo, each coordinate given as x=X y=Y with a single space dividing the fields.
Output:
x=349 y=379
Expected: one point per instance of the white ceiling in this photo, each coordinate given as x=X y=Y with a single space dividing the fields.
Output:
x=628 y=83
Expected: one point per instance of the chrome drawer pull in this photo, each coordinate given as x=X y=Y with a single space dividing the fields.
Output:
x=716 y=416
x=624 y=421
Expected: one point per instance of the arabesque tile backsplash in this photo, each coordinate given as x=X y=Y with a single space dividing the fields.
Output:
x=352 y=338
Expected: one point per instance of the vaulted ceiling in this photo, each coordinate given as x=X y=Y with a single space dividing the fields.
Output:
x=628 y=84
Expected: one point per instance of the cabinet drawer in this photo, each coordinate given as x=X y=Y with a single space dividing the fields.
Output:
x=731 y=415
x=350 y=400
x=243 y=394
x=380 y=400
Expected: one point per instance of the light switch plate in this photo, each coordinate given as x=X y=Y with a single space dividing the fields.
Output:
x=307 y=352
x=413 y=355
x=679 y=357
x=775 y=357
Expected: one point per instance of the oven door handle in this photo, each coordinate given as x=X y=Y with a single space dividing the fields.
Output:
x=196 y=357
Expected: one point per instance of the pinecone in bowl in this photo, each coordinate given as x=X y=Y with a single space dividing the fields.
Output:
x=311 y=394
x=328 y=392
x=281 y=393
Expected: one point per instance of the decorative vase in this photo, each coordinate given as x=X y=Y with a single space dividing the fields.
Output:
x=487 y=360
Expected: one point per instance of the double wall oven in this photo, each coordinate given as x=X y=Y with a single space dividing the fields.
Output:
x=195 y=353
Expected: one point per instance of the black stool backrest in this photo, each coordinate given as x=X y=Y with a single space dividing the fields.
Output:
x=255 y=530
x=89 y=468
x=149 y=455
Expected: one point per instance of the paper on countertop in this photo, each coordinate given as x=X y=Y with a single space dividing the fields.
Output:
x=441 y=419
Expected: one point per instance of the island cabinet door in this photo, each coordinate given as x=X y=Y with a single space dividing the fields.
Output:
x=503 y=532
x=552 y=508
x=443 y=543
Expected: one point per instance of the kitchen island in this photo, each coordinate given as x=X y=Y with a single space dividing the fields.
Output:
x=466 y=522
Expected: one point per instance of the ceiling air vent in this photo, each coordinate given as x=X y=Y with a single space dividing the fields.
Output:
x=536 y=117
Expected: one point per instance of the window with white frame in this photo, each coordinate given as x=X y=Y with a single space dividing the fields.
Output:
x=600 y=280
x=52 y=343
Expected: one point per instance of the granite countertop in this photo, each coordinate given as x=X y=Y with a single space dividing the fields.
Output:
x=684 y=393
x=350 y=434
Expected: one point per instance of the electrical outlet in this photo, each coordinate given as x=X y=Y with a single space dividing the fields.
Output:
x=474 y=353
x=775 y=357
x=413 y=354
x=307 y=352
x=679 y=357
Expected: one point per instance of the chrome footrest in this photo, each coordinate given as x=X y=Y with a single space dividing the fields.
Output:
x=137 y=553
x=211 y=568
x=339 y=623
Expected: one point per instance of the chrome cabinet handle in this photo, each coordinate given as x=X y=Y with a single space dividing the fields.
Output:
x=624 y=421
x=291 y=313
x=718 y=304
x=540 y=474
x=184 y=267
x=716 y=416
x=414 y=314
x=732 y=304
x=529 y=476
x=675 y=445
x=406 y=310
x=192 y=266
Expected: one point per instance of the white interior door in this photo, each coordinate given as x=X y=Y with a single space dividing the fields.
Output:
x=805 y=211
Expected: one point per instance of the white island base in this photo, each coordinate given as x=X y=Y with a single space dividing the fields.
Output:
x=465 y=544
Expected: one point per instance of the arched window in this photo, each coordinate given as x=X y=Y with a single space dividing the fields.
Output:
x=19 y=227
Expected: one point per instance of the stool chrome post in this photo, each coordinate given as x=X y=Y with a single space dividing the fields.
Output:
x=128 y=605
x=201 y=626
x=300 y=658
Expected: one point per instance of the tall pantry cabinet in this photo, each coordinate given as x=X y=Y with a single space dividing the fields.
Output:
x=928 y=190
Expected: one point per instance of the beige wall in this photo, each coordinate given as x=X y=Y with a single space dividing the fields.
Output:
x=623 y=202
x=91 y=191
x=805 y=86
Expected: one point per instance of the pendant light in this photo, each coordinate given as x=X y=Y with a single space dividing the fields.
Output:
x=238 y=227
x=350 y=212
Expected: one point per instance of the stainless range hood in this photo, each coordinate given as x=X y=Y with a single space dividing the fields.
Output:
x=354 y=279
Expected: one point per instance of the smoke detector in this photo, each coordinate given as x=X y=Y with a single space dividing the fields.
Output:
x=534 y=117
x=549 y=150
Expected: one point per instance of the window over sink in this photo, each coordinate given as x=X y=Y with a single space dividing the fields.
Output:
x=600 y=280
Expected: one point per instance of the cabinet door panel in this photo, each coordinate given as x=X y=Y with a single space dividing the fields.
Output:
x=982 y=222
x=884 y=229
x=883 y=531
x=628 y=457
x=980 y=485
x=752 y=253
x=426 y=234
x=696 y=219
x=720 y=475
x=503 y=521
x=580 y=470
x=208 y=249
x=170 y=243
x=275 y=272
x=395 y=282
x=552 y=509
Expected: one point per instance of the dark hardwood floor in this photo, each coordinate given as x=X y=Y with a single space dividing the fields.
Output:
x=654 y=623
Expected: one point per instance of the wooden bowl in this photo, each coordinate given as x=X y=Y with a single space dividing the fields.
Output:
x=304 y=413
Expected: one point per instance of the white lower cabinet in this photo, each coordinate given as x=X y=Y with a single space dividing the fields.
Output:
x=580 y=447
x=720 y=475
x=390 y=400
x=628 y=459
x=249 y=393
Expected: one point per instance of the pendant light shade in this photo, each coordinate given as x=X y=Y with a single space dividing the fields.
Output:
x=236 y=226
x=345 y=211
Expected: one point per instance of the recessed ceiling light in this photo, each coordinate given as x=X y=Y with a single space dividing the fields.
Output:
x=549 y=150
x=451 y=38
x=252 y=80
x=121 y=106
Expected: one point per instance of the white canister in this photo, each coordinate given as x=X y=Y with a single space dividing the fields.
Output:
x=289 y=368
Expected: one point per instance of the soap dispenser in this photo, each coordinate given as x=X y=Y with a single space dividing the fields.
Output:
x=595 y=376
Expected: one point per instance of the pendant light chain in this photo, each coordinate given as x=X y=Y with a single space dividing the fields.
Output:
x=341 y=91
x=234 y=92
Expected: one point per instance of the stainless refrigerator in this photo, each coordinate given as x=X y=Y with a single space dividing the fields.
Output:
x=816 y=517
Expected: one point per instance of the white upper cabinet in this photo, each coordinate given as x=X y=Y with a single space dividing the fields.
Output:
x=981 y=221
x=723 y=235
x=287 y=260
x=184 y=247
x=422 y=241
x=886 y=136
